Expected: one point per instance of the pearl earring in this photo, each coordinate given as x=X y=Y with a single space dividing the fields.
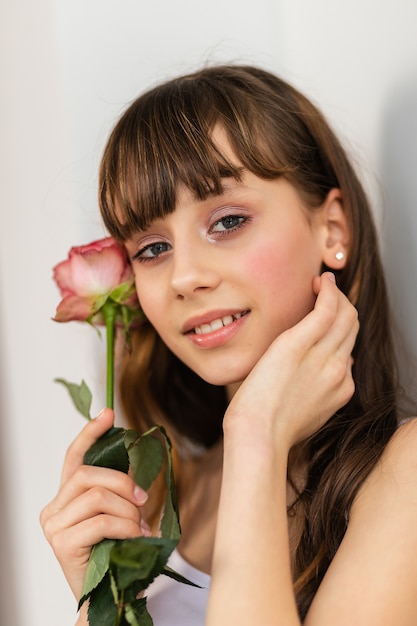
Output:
x=339 y=256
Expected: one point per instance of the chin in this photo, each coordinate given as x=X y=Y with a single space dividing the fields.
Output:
x=223 y=380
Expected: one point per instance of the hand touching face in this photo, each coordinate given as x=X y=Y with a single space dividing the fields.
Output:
x=304 y=377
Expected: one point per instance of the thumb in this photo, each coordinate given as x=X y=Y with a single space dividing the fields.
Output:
x=87 y=437
x=317 y=281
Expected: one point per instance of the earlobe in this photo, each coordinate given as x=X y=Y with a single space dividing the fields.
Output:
x=336 y=231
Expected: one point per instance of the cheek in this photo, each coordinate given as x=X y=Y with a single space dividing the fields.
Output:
x=289 y=255
x=155 y=309
x=267 y=269
x=284 y=278
x=149 y=299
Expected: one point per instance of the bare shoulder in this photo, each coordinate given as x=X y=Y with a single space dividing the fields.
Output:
x=378 y=551
x=400 y=455
x=395 y=475
x=405 y=438
x=403 y=443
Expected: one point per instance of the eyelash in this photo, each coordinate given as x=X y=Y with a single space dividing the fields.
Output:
x=242 y=221
x=145 y=259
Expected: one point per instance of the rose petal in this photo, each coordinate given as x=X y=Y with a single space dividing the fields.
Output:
x=95 y=246
x=74 y=308
x=96 y=273
x=89 y=271
x=63 y=278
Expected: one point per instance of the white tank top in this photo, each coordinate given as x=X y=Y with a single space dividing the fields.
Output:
x=171 y=603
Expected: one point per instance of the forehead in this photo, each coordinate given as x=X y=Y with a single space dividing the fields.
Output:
x=221 y=141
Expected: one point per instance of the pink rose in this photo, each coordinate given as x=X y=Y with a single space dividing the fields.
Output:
x=90 y=276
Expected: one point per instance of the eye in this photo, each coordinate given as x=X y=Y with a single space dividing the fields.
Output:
x=151 y=251
x=228 y=223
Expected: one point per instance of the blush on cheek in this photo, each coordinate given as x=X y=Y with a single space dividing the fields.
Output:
x=267 y=269
x=286 y=283
x=256 y=265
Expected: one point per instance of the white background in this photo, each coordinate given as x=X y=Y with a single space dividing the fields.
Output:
x=67 y=70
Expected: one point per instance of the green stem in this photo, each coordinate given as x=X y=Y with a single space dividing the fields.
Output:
x=120 y=608
x=109 y=312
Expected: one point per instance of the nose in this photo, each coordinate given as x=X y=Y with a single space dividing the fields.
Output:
x=193 y=271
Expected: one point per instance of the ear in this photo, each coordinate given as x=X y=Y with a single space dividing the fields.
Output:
x=336 y=236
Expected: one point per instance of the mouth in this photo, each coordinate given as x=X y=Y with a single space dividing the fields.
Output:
x=216 y=324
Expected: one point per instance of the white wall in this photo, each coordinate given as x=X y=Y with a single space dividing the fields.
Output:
x=67 y=70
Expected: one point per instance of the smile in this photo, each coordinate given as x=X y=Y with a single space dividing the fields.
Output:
x=217 y=324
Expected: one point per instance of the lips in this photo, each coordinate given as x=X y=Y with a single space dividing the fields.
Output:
x=207 y=326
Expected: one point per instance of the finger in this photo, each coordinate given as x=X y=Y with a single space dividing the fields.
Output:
x=317 y=280
x=316 y=324
x=335 y=362
x=342 y=332
x=74 y=541
x=89 y=435
x=87 y=477
x=91 y=504
x=98 y=501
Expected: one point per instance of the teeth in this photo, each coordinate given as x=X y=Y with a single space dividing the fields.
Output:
x=217 y=324
x=204 y=329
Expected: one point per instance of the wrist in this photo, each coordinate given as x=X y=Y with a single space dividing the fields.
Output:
x=252 y=455
x=256 y=433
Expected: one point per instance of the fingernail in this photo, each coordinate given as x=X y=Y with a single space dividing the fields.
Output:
x=140 y=495
x=331 y=277
x=97 y=417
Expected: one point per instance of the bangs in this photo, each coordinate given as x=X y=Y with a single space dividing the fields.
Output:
x=165 y=140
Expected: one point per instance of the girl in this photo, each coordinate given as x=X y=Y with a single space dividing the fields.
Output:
x=297 y=487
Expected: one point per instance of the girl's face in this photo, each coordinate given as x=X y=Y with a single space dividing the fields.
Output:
x=220 y=279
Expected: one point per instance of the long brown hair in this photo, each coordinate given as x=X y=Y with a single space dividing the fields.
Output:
x=164 y=139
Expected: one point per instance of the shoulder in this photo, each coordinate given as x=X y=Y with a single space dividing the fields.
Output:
x=394 y=478
x=400 y=454
x=377 y=553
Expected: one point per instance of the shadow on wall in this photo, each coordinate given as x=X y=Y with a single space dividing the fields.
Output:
x=399 y=180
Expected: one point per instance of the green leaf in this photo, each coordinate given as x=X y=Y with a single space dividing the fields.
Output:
x=138 y=561
x=168 y=571
x=93 y=320
x=80 y=395
x=133 y=560
x=146 y=459
x=102 y=611
x=97 y=567
x=109 y=451
x=114 y=589
x=131 y=617
x=100 y=302
x=122 y=292
x=146 y=456
x=170 y=526
x=137 y=613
